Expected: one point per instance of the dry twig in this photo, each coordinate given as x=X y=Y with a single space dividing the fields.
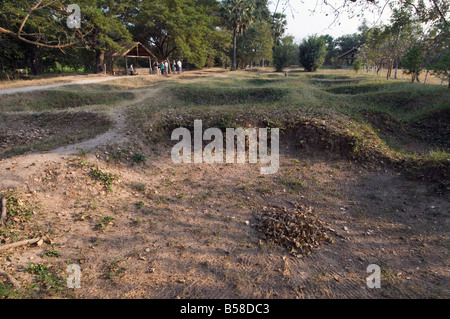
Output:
x=20 y=243
x=10 y=279
x=3 y=211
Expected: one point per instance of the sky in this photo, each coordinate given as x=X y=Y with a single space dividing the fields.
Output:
x=301 y=22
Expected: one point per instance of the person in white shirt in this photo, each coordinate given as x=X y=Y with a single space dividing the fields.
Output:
x=179 y=66
x=131 y=69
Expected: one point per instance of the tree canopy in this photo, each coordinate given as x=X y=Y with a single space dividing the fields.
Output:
x=35 y=34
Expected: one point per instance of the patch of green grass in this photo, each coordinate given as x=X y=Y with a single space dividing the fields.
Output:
x=103 y=222
x=293 y=183
x=113 y=269
x=107 y=178
x=93 y=204
x=138 y=158
x=19 y=212
x=140 y=204
x=16 y=206
x=259 y=82
x=139 y=187
x=48 y=279
x=52 y=253
x=8 y=291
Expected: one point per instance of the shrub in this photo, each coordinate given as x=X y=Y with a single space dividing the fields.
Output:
x=285 y=54
x=312 y=53
x=357 y=65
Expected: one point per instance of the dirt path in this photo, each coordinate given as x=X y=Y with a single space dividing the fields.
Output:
x=116 y=134
x=36 y=162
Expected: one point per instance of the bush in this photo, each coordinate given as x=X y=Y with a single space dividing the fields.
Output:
x=357 y=65
x=285 y=54
x=312 y=53
x=412 y=62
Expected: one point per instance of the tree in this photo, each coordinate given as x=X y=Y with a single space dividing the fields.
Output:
x=442 y=66
x=348 y=42
x=285 y=54
x=412 y=62
x=12 y=50
x=102 y=17
x=255 y=44
x=237 y=15
x=261 y=11
x=386 y=45
x=312 y=53
x=332 y=51
x=278 y=24
x=185 y=28
x=40 y=23
x=432 y=11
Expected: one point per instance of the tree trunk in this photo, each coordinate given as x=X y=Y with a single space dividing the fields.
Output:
x=233 y=64
x=99 y=61
x=36 y=62
x=426 y=77
x=395 y=70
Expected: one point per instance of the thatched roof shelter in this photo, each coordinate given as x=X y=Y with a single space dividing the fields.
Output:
x=348 y=57
x=134 y=51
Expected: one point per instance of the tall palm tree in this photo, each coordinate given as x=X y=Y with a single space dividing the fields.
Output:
x=278 y=27
x=237 y=14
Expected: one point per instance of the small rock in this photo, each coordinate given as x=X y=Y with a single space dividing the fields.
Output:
x=345 y=228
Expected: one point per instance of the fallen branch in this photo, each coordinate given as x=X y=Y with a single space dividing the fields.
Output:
x=10 y=279
x=19 y=243
x=3 y=211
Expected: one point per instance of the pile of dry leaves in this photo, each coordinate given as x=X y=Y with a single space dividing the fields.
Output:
x=300 y=230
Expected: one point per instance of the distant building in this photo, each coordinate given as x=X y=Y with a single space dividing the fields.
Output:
x=346 y=59
x=135 y=52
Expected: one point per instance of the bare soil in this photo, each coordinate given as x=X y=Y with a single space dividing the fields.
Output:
x=188 y=230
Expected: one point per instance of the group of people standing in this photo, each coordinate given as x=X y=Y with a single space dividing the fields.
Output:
x=165 y=67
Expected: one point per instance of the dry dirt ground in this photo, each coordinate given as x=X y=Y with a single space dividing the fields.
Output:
x=160 y=230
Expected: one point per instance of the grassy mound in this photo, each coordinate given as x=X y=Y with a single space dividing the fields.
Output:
x=47 y=130
x=58 y=99
x=260 y=82
x=357 y=89
x=221 y=96
x=364 y=127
